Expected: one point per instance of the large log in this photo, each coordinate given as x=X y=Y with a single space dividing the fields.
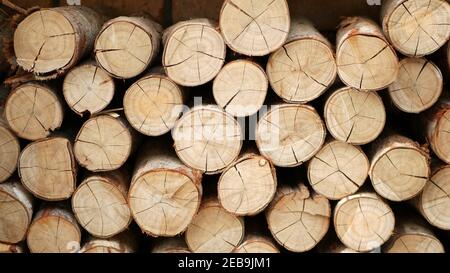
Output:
x=411 y=235
x=251 y=29
x=47 y=168
x=194 y=51
x=100 y=203
x=164 y=194
x=248 y=185
x=304 y=67
x=418 y=85
x=88 y=88
x=49 y=42
x=433 y=202
x=104 y=142
x=54 y=230
x=207 y=138
x=33 y=110
x=363 y=221
x=297 y=218
x=353 y=116
x=399 y=167
x=214 y=230
x=416 y=28
x=290 y=134
x=126 y=46
x=16 y=210
x=365 y=59
x=9 y=146
x=339 y=169
x=437 y=128
x=240 y=88
x=154 y=103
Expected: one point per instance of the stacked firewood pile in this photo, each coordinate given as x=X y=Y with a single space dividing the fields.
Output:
x=255 y=133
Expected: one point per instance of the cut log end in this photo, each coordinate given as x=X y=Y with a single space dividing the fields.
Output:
x=153 y=104
x=417 y=28
x=297 y=220
x=103 y=143
x=434 y=202
x=289 y=135
x=207 y=138
x=100 y=204
x=87 y=88
x=33 y=111
x=44 y=41
x=240 y=88
x=256 y=244
x=440 y=139
x=171 y=245
x=47 y=168
x=214 y=230
x=415 y=243
x=418 y=85
x=363 y=221
x=353 y=116
x=9 y=149
x=194 y=52
x=399 y=169
x=126 y=46
x=16 y=211
x=250 y=29
x=248 y=185
x=54 y=230
x=163 y=201
x=365 y=60
x=338 y=170
x=302 y=70
x=121 y=243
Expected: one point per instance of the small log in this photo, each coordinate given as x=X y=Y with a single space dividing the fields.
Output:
x=11 y=248
x=353 y=116
x=171 y=245
x=154 y=103
x=100 y=203
x=104 y=142
x=126 y=46
x=290 y=134
x=297 y=218
x=87 y=88
x=338 y=170
x=9 y=148
x=49 y=42
x=120 y=243
x=207 y=138
x=365 y=59
x=240 y=88
x=418 y=85
x=363 y=221
x=214 y=230
x=304 y=67
x=16 y=210
x=437 y=128
x=33 y=111
x=414 y=27
x=164 y=194
x=399 y=167
x=248 y=185
x=434 y=201
x=251 y=29
x=47 y=168
x=412 y=236
x=256 y=244
x=54 y=230
x=194 y=52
